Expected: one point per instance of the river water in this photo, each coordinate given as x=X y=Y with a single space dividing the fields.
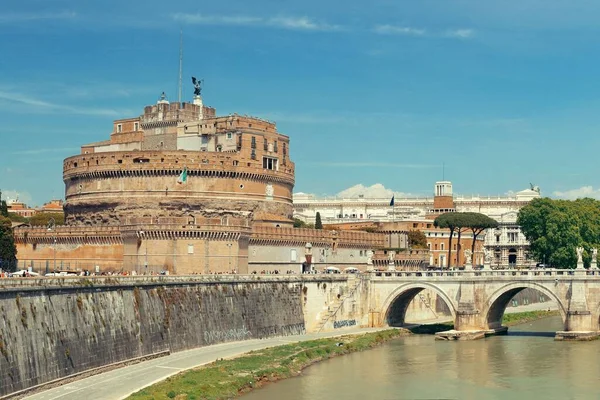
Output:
x=525 y=364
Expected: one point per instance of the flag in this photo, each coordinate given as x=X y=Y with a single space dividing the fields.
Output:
x=392 y=201
x=183 y=176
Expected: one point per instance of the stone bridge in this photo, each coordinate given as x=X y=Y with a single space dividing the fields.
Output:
x=478 y=299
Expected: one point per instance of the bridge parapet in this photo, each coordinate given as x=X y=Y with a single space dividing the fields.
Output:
x=508 y=273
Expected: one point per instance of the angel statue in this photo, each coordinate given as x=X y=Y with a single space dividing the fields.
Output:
x=579 y=254
x=468 y=254
x=535 y=188
x=197 y=86
x=487 y=255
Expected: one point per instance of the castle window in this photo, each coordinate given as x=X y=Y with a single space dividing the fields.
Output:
x=235 y=163
x=219 y=148
x=120 y=161
x=136 y=126
x=252 y=155
x=119 y=128
x=253 y=143
x=228 y=135
x=270 y=163
x=266 y=147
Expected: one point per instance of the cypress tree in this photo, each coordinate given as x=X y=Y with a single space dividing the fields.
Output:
x=318 y=223
x=8 y=250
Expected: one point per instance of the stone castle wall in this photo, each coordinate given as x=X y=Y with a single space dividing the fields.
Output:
x=66 y=327
x=105 y=188
x=73 y=248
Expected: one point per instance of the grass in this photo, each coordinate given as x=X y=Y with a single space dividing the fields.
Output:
x=226 y=379
x=507 y=320
x=524 y=317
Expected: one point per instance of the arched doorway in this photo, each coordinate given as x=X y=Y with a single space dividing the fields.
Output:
x=512 y=257
x=394 y=310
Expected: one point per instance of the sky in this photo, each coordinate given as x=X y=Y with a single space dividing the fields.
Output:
x=492 y=95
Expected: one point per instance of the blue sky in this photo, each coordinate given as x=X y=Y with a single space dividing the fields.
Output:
x=386 y=91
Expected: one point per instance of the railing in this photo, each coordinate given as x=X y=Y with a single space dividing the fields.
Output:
x=541 y=273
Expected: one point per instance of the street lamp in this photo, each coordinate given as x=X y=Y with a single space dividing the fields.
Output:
x=52 y=227
x=145 y=253
x=229 y=246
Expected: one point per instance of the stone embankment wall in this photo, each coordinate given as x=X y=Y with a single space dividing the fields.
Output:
x=53 y=328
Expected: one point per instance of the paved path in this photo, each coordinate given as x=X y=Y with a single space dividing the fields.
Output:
x=121 y=382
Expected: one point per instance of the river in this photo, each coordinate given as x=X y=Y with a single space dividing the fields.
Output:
x=525 y=364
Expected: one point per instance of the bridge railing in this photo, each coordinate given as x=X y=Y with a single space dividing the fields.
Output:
x=488 y=273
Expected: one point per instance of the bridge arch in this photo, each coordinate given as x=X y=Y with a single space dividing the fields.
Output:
x=497 y=302
x=395 y=306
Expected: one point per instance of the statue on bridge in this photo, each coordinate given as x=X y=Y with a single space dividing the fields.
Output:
x=579 y=254
x=468 y=254
x=487 y=256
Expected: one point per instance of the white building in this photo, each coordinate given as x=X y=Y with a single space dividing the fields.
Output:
x=507 y=243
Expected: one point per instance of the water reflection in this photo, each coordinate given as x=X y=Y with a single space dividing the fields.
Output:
x=521 y=365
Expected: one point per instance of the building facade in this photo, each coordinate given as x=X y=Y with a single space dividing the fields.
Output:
x=508 y=244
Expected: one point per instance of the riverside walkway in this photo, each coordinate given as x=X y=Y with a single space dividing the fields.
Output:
x=122 y=382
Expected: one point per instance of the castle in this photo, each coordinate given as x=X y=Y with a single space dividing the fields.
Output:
x=183 y=190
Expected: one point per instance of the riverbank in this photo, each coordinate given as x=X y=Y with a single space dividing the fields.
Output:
x=511 y=319
x=225 y=379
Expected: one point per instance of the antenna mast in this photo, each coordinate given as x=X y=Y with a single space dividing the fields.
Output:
x=180 y=65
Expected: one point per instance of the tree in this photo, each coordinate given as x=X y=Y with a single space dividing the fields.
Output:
x=14 y=217
x=417 y=240
x=478 y=223
x=8 y=250
x=554 y=228
x=448 y=221
x=318 y=223
x=3 y=209
x=298 y=223
x=42 y=219
x=462 y=222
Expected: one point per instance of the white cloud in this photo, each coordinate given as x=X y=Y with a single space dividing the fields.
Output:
x=41 y=106
x=7 y=18
x=584 y=191
x=376 y=191
x=460 y=33
x=10 y=195
x=292 y=23
x=398 y=30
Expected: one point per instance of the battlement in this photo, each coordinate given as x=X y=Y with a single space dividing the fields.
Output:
x=67 y=234
x=318 y=237
x=154 y=163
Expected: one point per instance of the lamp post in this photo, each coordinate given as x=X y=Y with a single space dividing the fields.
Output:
x=141 y=233
x=52 y=227
x=229 y=246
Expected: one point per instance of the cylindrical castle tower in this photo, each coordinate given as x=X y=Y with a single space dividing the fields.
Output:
x=235 y=166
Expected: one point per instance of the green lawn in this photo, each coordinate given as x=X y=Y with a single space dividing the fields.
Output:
x=225 y=379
